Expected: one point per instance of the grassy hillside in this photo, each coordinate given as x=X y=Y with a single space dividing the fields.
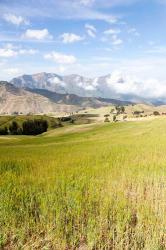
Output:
x=85 y=187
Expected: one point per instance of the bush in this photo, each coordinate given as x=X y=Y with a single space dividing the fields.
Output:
x=156 y=113
x=138 y=112
x=106 y=120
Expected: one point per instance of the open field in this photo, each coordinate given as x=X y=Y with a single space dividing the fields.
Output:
x=93 y=186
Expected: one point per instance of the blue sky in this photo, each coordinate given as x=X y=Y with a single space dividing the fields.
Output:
x=87 y=37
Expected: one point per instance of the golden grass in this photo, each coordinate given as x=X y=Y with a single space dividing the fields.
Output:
x=102 y=188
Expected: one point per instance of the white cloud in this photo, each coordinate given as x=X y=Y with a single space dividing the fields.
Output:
x=60 y=58
x=27 y=51
x=91 y=33
x=9 y=50
x=91 y=27
x=71 y=38
x=112 y=34
x=12 y=71
x=65 y=9
x=116 y=41
x=112 y=31
x=37 y=34
x=16 y=20
x=91 y=30
x=125 y=84
x=5 y=52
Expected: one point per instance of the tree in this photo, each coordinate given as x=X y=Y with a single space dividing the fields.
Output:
x=34 y=127
x=4 y=131
x=122 y=109
x=13 y=128
x=114 y=118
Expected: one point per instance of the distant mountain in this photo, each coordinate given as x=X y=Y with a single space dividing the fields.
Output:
x=109 y=86
x=71 y=84
x=19 y=100
x=47 y=81
x=72 y=99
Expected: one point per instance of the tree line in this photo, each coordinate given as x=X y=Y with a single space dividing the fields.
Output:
x=29 y=127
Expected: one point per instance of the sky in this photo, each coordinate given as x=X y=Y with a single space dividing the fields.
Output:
x=86 y=37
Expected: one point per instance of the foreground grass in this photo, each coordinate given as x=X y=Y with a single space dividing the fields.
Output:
x=100 y=187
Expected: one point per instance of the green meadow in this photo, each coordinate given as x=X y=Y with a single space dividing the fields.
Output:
x=94 y=186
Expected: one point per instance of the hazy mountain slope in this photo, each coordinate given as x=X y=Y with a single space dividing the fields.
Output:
x=14 y=99
x=72 y=99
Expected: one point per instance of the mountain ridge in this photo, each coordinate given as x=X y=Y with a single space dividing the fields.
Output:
x=26 y=100
x=107 y=86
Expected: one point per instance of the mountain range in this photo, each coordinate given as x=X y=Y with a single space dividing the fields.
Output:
x=37 y=96
x=108 y=86
x=70 y=84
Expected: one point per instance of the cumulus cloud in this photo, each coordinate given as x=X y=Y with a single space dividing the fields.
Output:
x=35 y=34
x=6 y=52
x=112 y=32
x=124 y=84
x=60 y=58
x=71 y=38
x=16 y=20
x=9 y=50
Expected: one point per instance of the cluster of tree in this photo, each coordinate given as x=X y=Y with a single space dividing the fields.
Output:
x=120 y=110
x=4 y=131
x=70 y=119
x=29 y=127
x=34 y=127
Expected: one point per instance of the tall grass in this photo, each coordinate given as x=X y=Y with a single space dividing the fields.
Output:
x=98 y=189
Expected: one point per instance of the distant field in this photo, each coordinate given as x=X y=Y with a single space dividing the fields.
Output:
x=92 y=186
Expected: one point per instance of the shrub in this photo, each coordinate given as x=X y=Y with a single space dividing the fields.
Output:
x=156 y=113
x=106 y=120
